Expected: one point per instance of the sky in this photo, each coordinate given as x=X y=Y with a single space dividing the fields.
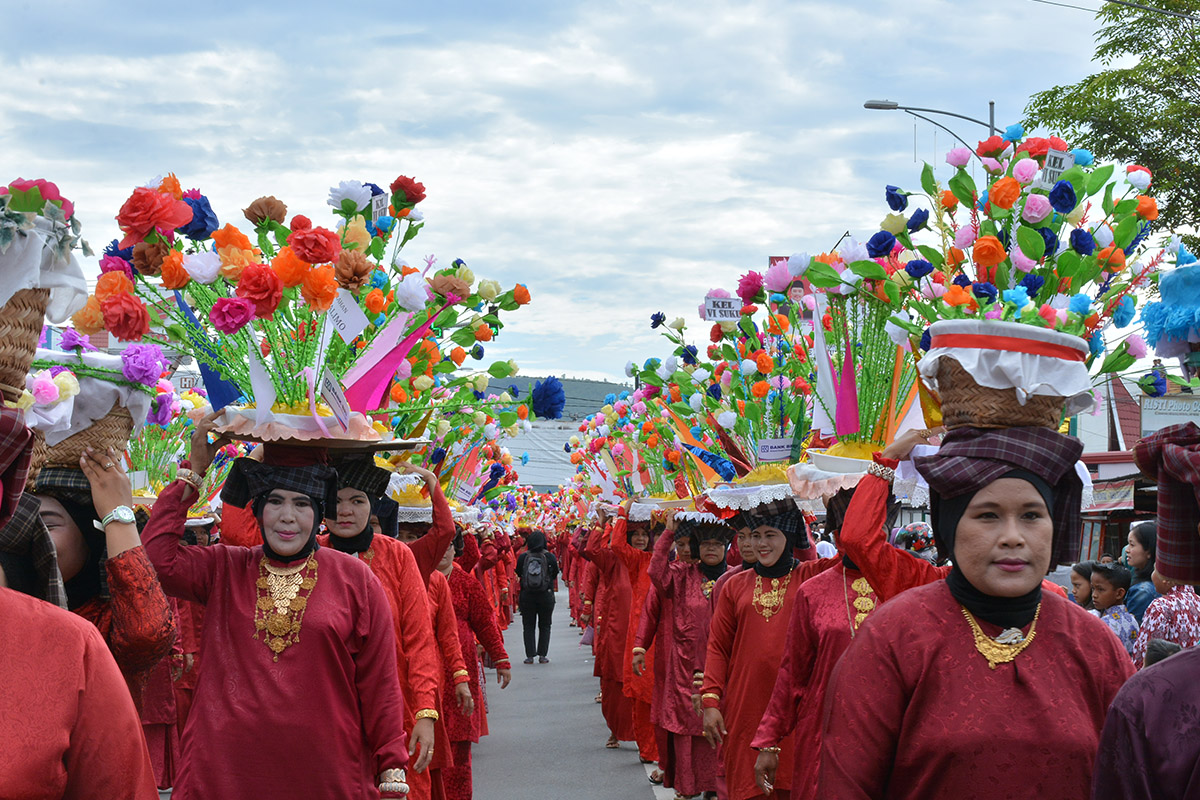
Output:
x=618 y=158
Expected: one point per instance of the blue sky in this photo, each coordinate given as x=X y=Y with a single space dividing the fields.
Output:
x=619 y=158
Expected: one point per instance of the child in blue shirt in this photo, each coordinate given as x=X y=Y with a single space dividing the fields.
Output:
x=1110 y=582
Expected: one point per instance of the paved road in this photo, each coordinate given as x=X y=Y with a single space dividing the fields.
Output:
x=547 y=734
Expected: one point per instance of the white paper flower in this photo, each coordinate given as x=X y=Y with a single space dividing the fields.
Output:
x=1103 y=235
x=748 y=366
x=696 y=401
x=629 y=369
x=490 y=430
x=728 y=327
x=700 y=376
x=798 y=264
x=727 y=419
x=411 y=294
x=415 y=216
x=663 y=372
x=349 y=190
x=1139 y=179
x=897 y=334
x=203 y=267
x=602 y=430
x=677 y=323
x=853 y=251
x=489 y=290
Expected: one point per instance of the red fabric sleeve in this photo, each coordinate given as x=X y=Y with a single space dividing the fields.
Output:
x=660 y=564
x=889 y=571
x=470 y=553
x=414 y=628
x=238 y=527
x=798 y=655
x=446 y=630
x=590 y=577
x=720 y=648
x=482 y=620
x=143 y=627
x=107 y=755
x=648 y=624
x=600 y=550
x=185 y=572
x=375 y=675
x=430 y=548
x=488 y=554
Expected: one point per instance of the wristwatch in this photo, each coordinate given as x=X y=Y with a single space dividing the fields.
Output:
x=122 y=514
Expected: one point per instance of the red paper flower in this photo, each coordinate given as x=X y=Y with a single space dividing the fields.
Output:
x=125 y=317
x=148 y=210
x=410 y=190
x=260 y=285
x=315 y=245
x=230 y=314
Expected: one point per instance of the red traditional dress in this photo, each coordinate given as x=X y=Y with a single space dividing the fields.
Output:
x=745 y=648
x=476 y=623
x=67 y=722
x=251 y=730
x=610 y=608
x=191 y=624
x=136 y=622
x=417 y=662
x=452 y=663
x=828 y=612
x=688 y=762
x=914 y=710
x=1174 y=617
x=159 y=715
x=639 y=688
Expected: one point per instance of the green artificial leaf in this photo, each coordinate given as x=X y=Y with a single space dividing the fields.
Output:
x=1031 y=243
x=349 y=207
x=680 y=377
x=911 y=327
x=1109 y=204
x=746 y=325
x=1126 y=206
x=924 y=309
x=932 y=255
x=963 y=187
x=1126 y=231
x=1002 y=275
x=376 y=249
x=869 y=269
x=651 y=379
x=448 y=318
x=682 y=409
x=491 y=319
x=1078 y=180
x=1098 y=178
x=508 y=418
x=445 y=367
x=1000 y=213
x=728 y=352
x=464 y=337
x=903 y=238
x=893 y=292
x=987 y=228
x=928 y=183
x=500 y=369
x=1067 y=263
x=823 y=276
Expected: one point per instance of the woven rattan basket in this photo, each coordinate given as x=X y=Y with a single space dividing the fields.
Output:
x=38 y=458
x=21 y=321
x=111 y=430
x=967 y=404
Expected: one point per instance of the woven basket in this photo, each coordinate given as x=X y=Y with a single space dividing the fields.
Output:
x=21 y=321
x=38 y=458
x=111 y=430
x=967 y=404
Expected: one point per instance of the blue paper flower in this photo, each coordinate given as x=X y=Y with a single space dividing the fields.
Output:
x=548 y=398
x=1080 y=304
x=897 y=199
x=514 y=392
x=1019 y=297
x=918 y=268
x=688 y=354
x=714 y=391
x=1062 y=197
x=984 y=291
x=962 y=280
x=1122 y=314
x=1184 y=257
x=1083 y=158
x=1051 y=240
x=524 y=459
x=204 y=220
x=926 y=339
x=1082 y=242
x=609 y=399
x=378 y=279
x=1032 y=284
x=114 y=249
x=880 y=245
x=437 y=456
x=918 y=220
x=477 y=352
x=479 y=395
x=1014 y=133
x=657 y=319
x=1096 y=343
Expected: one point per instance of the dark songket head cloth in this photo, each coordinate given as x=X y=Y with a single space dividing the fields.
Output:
x=1171 y=458
x=782 y=514
x=362 y=474
x=971 y=458
x=249 y=479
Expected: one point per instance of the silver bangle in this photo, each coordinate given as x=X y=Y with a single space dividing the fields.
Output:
x=880 y=471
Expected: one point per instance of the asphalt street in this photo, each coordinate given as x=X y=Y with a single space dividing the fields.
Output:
x=547 y=735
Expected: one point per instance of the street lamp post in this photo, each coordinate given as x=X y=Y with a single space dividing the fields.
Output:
x=888 y=105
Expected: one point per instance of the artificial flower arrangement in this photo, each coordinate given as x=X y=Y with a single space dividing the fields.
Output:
x=1173 y=321
x=154 y=454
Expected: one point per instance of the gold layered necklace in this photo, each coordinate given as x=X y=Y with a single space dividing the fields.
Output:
x=282 y=599
x=1005 y=647
x=770 y=602
x=863 y=604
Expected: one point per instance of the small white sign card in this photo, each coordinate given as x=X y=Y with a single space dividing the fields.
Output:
x=346 y=317
x=1057 y=162
x=774 y=449
x=722 y=309
x=379 y=207
x=331 y=392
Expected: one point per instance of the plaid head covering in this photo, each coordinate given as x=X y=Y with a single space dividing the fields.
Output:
x=1171 y=458
x=25 y=541
x=65 y=483
x=248 y=479
x=782 y=514
x=363 y=475
x=971 y=458
x=16 y=448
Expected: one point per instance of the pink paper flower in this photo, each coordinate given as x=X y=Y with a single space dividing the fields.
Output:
x=1049 y=314
x=958 y=157
x=44 y=389
x=994 y=313
x=1025 y=171
x=230 y=314
x=1037 y=208
x=749 y=285
x=1137 y=346
x=965 y=236
x=991 y=164
x=778 y=278
x=1022 y=261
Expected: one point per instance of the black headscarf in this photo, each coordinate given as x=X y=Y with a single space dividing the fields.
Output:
x=785 y=516
x=90 y=581
x=704 y=531
x=388 y=512
x=363 y=475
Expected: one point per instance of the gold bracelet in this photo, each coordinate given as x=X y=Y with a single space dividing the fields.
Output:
x=461 y=673
x=426 y=713
x=767 y=749
x=639 y=651
x=192 y=479
x=710 y=696
x=393 y=774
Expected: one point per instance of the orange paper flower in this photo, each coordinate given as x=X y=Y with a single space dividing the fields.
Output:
x=949 y=201
x=112 y=283
x=957 y=296
x=319 y=288
x=1004 y=192
x=230 y=236
x=89 y=319
x=483 y=334
x=652 y=441
x=522 y=411
x=1111 y=258
x=375 y=301
x=1147 y=208
x=764 y=363
x=170 y=185
x=290 y=269
x=521 y=294
x=760 y=389
x=989 y=251
x=398 y=394
x=955 y=257
x=458 y=356
x=174 y=276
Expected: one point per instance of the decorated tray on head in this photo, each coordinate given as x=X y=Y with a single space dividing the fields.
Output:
x=321 y=430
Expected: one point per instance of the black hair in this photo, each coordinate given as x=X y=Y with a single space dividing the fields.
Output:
x=1116 y=574
x=459 y=544
x=1084 y=569
x=1147 y=535
x=1158 y=649
x=1104 y=556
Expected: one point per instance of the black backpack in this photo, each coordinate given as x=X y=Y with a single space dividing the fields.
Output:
x=536 y=577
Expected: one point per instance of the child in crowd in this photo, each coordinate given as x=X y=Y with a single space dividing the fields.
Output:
x=1081 y=585
x=1158 y=649
x=1110 y=582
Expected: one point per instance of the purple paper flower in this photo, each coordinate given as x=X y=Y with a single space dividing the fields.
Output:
x=160 y=410
x=73 y=339
x=142 y=363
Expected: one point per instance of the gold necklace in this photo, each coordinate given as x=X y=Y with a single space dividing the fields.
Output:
x=863 y=603
x=280 y=608
x=769 y=603
x=1005 y=647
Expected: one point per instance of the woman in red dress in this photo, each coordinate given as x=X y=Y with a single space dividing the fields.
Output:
x=609 y=603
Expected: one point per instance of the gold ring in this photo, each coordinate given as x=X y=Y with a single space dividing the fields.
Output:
x=108 y=465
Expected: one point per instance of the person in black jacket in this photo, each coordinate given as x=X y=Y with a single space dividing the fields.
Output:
x=537 y=570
